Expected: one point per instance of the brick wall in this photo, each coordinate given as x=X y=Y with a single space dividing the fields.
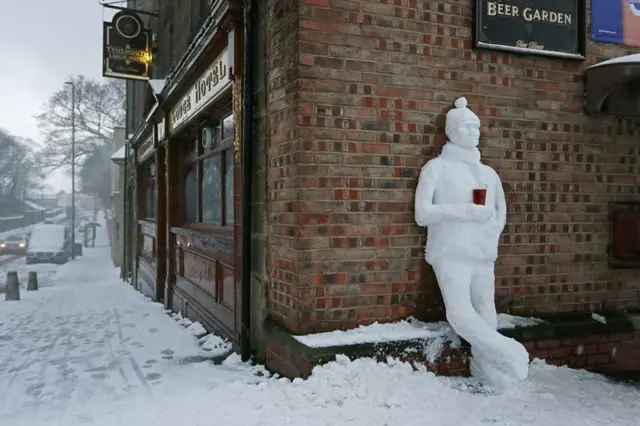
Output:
x=612 y=348
x=282 y=59
x=604 y=353
x=358 y=93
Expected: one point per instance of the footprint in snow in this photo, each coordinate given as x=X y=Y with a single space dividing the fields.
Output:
x=153 y=376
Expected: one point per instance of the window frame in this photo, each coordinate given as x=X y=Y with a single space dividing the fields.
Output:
x=149 y=187
x=195 y=157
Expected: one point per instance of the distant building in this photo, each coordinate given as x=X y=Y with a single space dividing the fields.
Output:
x=64 y=199
x=116 y=215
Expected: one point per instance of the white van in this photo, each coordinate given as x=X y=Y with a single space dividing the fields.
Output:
x=48 y=244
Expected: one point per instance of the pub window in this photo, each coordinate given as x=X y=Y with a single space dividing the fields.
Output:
x=624 y=249
x=149 y=178
x=191 y=193
x=209 y=174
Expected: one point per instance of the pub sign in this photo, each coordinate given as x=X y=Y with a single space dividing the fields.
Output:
x=126 y=47
x=537 y=27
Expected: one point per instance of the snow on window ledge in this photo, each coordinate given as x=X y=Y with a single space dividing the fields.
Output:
x=408 y=329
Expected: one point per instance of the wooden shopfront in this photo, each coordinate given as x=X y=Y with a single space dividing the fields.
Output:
x=146 y=213
x=203 y=180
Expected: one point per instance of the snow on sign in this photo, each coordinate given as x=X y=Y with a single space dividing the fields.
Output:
x=211 y=82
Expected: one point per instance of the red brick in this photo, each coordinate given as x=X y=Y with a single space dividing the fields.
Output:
x=573 y=341
x=546 y=344
x=607 y=348
x=564 y=352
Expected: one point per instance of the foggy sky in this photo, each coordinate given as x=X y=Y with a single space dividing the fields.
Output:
x=42 y=43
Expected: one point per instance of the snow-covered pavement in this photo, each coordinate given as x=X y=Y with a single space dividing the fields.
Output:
x=88 y=349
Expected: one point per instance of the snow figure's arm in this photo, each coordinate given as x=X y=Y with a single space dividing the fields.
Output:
x=427 y=213
x=501 y=204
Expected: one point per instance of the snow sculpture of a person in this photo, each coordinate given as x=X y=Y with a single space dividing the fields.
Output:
x=462 y=203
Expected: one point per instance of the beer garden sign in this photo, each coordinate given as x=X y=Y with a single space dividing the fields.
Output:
x=539 y=27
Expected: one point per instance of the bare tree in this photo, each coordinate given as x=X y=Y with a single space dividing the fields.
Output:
x=99 y=107
x=95 y=175
x=18 y=167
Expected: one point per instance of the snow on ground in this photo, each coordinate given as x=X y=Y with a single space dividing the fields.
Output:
x=45 y=271
x=88 y=349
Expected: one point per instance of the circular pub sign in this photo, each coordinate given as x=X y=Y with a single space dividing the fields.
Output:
x=127 y=24
x=634 y=5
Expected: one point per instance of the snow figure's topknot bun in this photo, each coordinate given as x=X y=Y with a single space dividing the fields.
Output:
x=459 y=115
x=461 y=102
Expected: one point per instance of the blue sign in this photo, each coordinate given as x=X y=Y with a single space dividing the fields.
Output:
x=616 y=21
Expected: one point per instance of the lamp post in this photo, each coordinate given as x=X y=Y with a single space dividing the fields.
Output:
x=73 y=168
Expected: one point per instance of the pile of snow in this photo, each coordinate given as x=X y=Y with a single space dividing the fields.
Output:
x=506 y=321
x=183 y=321
x=197 y=329
x=215 y=344
x=366 y=393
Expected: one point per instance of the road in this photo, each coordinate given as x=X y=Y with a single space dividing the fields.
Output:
x=8 y=258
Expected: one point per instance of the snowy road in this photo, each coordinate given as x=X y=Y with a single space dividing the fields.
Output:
x=88 y=349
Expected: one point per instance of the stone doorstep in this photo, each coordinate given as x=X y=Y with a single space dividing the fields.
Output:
x=454 y=359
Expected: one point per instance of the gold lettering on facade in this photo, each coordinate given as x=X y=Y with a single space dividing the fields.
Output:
x=529 y=14
x=145 y=148
x=529 y=45
x=204 y=90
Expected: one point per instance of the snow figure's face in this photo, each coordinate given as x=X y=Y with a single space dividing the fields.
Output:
x=466 y=133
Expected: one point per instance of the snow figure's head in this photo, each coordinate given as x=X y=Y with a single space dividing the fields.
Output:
x=462 y=125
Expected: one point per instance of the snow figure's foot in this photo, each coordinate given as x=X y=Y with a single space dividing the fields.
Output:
x=503 y=371
x=488 y=372
x=519 y=359
x=493 y=377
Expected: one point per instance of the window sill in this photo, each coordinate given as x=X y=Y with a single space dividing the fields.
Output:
x=203 y=229
x=624 y=264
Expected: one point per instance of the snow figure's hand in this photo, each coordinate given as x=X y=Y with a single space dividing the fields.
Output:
x=478 y=213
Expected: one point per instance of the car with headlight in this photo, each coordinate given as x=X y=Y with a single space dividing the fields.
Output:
x=48 y=244
x=14 y=244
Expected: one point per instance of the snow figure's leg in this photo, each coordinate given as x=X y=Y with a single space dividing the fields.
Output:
x=483 y=290
x=454 y=280
x=483 y=301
